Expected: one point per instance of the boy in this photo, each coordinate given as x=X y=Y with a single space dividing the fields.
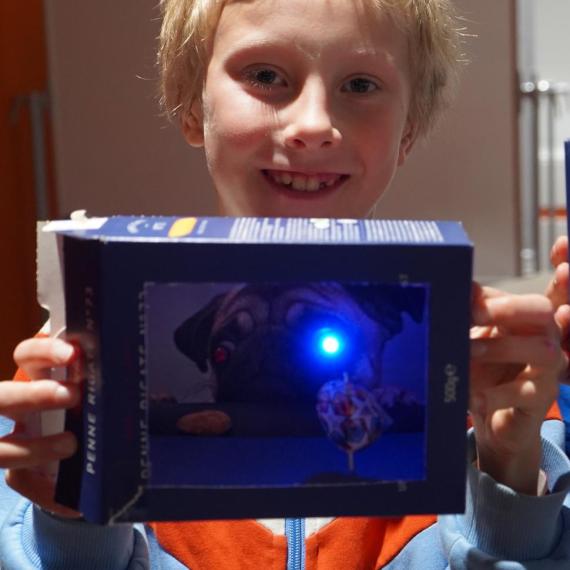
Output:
x=307 y=108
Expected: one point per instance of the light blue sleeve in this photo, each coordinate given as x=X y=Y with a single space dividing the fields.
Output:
x=32 y=539
x=504 y=530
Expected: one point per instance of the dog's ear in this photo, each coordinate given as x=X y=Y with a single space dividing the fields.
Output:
x=386 y=303
x=192 y=337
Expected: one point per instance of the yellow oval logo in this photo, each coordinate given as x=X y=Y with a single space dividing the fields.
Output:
x=182 y=227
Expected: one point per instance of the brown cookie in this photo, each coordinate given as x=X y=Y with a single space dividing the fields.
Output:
x=208 y=422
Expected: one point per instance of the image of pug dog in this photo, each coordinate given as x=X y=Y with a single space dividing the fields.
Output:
x=262 y=342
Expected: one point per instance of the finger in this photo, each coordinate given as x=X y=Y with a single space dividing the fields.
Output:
x=18 y=398
x=480 y=293
x=38 y=489
x=488 y=292
x=562 y=319
x=527 y=313
x=37 y=355
x=479 y=296
x=541 y=351
x=559 y=251
x=527 y=396
x=564 y=377
x=557 y=289
x=17 y=452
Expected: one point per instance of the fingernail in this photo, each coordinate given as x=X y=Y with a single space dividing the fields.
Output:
x=65 y=446
x=62 y=394
x=63 y=351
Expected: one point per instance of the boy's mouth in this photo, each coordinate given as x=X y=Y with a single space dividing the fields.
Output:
x=304 y=182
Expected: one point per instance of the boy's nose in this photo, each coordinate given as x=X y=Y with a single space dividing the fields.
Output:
x=310 y=125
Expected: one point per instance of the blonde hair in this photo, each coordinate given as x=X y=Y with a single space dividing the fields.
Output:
x=434 y=40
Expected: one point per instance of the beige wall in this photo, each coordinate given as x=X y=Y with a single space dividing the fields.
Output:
x=114 y=152
x=467 y=171
x=116 y=155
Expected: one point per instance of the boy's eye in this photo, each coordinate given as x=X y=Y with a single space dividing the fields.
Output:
x=360 y=85
x=265 y=78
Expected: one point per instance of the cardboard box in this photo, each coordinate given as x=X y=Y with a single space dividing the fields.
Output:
x=243 y=367
x=567 y=170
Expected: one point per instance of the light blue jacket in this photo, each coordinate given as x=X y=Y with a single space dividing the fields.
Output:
x=500 y=529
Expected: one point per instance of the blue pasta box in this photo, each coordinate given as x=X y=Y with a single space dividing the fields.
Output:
x=564 y=391
x=567 y=171
x=262 y=367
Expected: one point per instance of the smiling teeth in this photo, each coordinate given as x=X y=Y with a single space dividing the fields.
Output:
x=301 y=182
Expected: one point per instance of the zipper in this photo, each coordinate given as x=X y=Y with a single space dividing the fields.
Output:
x=295 y=533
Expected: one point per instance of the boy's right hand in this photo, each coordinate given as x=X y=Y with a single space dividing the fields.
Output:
x=21 y=454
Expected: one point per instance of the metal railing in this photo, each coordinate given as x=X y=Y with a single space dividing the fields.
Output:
x=539 y=182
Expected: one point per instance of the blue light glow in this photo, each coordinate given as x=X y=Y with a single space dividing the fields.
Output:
x=330 y=343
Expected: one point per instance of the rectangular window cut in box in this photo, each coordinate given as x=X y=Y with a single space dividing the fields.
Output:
x=258 y=367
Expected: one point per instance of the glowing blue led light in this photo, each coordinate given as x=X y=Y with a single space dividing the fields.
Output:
x=329 y=343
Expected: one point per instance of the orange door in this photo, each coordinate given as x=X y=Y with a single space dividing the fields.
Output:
x=23 y=70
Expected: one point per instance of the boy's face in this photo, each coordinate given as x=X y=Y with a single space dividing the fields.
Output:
x=304 y=109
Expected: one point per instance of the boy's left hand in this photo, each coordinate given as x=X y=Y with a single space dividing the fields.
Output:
x=558 y=293
x=516 y=360
x=557 y=290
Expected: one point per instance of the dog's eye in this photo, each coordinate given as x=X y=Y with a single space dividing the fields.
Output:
x=244 y=320
x=221 y=354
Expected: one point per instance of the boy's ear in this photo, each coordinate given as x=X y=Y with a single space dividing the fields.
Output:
x=407 y=142
x=193 y=125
